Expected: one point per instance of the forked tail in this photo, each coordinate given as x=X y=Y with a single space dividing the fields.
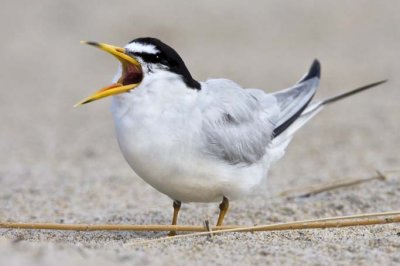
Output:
x=285 y=136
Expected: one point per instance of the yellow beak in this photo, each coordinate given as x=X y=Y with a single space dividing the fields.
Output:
x=131 y=73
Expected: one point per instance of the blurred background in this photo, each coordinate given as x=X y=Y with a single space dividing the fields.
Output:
x=48 y=147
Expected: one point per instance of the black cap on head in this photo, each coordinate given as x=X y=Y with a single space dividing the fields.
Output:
x=167 y=56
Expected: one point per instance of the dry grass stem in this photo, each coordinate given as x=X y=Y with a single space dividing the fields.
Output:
x=333 y=222
x=156 y=227
x=106 y=227
x=313 y=190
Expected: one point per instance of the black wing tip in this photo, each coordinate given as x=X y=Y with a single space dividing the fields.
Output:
x=314 y=72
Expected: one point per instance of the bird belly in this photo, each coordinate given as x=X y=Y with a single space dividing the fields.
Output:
x=174 y=166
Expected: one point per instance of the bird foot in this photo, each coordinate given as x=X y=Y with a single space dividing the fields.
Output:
x=172 y=233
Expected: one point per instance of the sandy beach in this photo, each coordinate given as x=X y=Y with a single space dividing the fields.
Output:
x=62 y=164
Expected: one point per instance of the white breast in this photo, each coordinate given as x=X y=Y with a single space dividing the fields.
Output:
x=159 y=134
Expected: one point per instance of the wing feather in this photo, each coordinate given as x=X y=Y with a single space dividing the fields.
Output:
x=235 y=125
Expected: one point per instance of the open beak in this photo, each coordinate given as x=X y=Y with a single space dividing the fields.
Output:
x=131 y=76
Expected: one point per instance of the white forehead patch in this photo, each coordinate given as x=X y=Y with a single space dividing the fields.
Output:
x=142 y=48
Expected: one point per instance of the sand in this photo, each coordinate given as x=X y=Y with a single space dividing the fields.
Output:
x=60 y=164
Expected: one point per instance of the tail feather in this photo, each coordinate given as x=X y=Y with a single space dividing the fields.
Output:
x=314 y=109
x=352 y=92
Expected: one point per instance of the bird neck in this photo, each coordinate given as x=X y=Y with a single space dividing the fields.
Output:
x=160 y=82
x=159 y=90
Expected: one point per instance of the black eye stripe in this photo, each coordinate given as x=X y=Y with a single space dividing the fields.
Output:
x=152 y=58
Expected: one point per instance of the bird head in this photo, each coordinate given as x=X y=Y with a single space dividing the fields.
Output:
x=140 y=59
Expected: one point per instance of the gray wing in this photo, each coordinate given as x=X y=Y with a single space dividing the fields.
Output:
x=239 y=124
x=236 y=127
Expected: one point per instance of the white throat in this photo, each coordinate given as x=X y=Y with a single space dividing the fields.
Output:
x=160 y=90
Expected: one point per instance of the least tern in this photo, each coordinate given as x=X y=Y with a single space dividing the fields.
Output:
x=201 y=141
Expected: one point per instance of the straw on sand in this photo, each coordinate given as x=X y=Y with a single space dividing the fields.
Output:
x=331 y=222
x=345 y=182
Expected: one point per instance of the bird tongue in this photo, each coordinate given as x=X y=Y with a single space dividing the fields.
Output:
x=131 y=75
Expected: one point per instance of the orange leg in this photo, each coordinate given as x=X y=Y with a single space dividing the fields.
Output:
x=223 y=209
x=177 y=207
